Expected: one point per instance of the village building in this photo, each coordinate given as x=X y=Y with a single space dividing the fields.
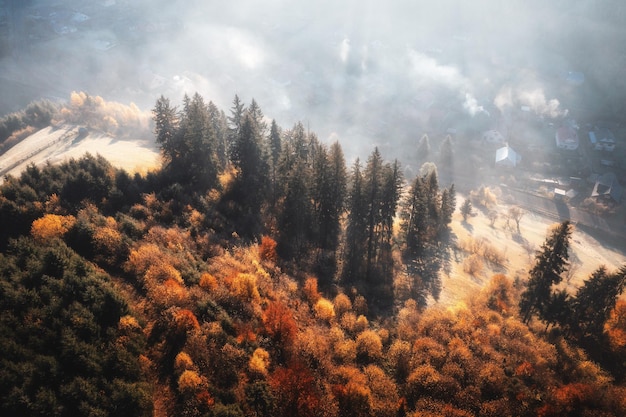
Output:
x=507 y=157
x=567 y=138
x=602 y=139
x=607 y=188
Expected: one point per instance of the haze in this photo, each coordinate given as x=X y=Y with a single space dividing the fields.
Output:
x=364 y=72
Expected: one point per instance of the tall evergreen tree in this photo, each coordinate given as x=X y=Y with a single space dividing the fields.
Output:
x=199 y=142
x=373 y=177
x=414 y=215
x=235 y=120
x=275 y=148
x=257 y=117
x=249 y=188
x=295 y=222
x=595 y=300
x=328 y=187
x=219 y=123
x=356 y=229
x=550 y=263
x=448 y=205
x=392 y=188
x=166 y=128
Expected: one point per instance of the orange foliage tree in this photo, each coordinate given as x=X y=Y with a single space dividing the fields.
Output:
x=615 y=326
x=267 y=249
x=280 y=326
x=51 y=226
x=296 y=390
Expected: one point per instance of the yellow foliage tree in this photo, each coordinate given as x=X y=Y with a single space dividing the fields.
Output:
x=615 y=326
x=245 y=286
x=310 y=290
x=182 y=363
x=208 y=282
x=369 y=347
x=259 y=362
x=189 y=382
x=342 y=304
x=51 y=226
x=324 y=309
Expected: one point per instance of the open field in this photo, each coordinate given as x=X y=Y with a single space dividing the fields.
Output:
x=56 y=144
x=586 y=252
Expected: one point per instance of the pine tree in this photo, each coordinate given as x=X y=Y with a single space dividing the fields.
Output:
x=219 y=123
x=373 y=177
x=595 y=300
x=295 y=222
x=466 y=209
x=197 y=137
x=448 y=205
x=257 y=117
x=356 y=229
x=550 y=263
x=249 y=188
x=392 y=188
x=275 y=148
x=414 y=215
x=235 y=121
x=166 y=127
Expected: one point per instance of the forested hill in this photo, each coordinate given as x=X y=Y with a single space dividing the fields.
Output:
x=255 y=274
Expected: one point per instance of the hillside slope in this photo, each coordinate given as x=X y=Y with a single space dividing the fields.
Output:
x=57 y=143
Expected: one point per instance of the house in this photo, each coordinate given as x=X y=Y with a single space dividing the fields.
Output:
x=493 y=136
x=566 y=138
x=507 y=157
x=604 y=139
x=607 y=187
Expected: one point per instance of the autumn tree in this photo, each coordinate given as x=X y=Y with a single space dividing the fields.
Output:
x=280 y=326
x=550 y=262
x=516 y=213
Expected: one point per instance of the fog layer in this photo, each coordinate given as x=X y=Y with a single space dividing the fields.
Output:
x=365 y=72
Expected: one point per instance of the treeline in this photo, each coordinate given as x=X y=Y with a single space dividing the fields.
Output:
x=289 y=185
x=18 y=125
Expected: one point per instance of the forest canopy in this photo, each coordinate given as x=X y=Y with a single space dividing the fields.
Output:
x=255 y=273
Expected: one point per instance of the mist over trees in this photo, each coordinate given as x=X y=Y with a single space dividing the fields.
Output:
x=255 y=273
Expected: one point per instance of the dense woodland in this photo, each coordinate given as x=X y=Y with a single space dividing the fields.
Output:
x=256 y=274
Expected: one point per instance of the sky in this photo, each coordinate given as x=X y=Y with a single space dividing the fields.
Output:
x=367 y=73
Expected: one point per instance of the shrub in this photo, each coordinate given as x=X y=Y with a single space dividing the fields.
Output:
x=369 y=347
x=342 y=304
x=324 y=310
x=473 y=265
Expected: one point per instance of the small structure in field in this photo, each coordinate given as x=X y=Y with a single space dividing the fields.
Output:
x=607 y=188
x=567 y=138
x=507 y=157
